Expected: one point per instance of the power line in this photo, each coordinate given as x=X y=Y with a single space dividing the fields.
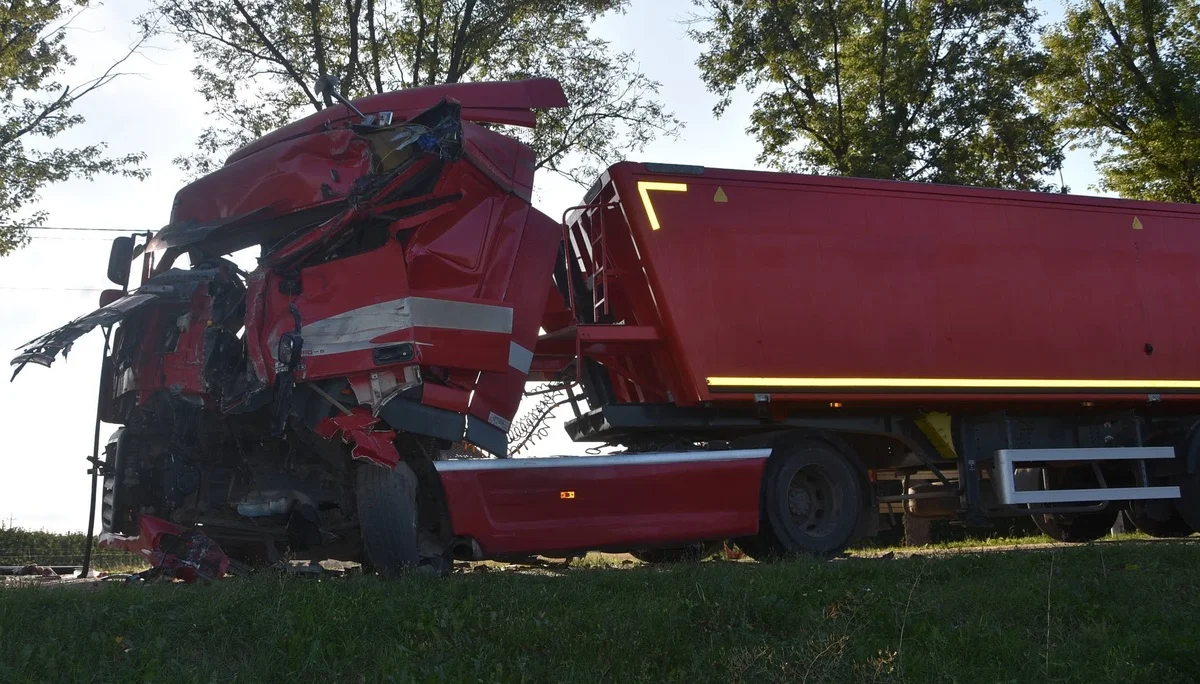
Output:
x=78 y=229
x=72 y=238
x=54 y=289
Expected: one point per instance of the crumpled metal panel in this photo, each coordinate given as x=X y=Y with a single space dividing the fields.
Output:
x=320 y=169
x=508 y=102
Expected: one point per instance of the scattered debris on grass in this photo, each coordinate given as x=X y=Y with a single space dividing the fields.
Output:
x=173 y=551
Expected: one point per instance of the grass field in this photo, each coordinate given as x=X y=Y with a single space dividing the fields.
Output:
x=1109 y=612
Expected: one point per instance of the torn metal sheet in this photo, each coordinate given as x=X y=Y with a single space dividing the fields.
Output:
x=191 y=232
x=173 y=284
x=43 y=350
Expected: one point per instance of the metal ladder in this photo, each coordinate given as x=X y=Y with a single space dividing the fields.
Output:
x=588 y=251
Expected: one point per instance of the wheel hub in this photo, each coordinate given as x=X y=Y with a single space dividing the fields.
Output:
x=799 y=502
x=812 y=498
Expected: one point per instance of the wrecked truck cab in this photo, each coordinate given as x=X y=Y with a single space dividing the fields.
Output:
x=401 y=282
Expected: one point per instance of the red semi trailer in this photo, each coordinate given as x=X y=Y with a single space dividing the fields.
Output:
x=772 y=355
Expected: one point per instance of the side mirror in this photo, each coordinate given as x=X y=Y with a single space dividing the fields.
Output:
x=109 y=296
x=120 y=260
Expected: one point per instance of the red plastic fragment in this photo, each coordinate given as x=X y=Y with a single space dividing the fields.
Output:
x=369 y=445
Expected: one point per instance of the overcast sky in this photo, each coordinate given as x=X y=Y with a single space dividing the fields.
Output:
x=46 y=414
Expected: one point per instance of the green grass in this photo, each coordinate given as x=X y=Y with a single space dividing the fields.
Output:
x=1115 y=612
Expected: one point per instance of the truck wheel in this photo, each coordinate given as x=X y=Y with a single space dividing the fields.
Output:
x=117 y=510
x=1067 y=527
x=1188 y=503
x=812 y=500
x=1077 y=527
x=1158 y=519
x=387 y=517
x=692 y=553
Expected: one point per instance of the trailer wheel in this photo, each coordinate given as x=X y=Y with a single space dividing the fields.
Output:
x=387 y=517
x=1073 y=528
x=692 y=553
x=1158 y=519
x=1077 y=528
x=812 y=501
x=1188 y=503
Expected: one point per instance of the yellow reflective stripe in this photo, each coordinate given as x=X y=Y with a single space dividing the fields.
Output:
x=952 y=383
x=644 y=188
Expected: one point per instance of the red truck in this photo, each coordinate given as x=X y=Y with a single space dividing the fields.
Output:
x=773 y=355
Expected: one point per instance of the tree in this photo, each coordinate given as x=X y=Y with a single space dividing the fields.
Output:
x=921 y=90
x=35 y=104
x=258 y=61
x=1124 y=79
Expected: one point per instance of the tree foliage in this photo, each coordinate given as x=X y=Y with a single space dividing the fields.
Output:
x=1124 y=78
x=34 y=103
x=923 y=90
x=258 y=61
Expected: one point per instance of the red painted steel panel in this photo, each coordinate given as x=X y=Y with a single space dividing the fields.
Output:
x=506 y=102
x=498 y=394
x=795 y=276
x=318 y=170
x=610 y=506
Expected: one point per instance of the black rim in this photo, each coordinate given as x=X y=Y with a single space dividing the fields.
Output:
x=812 y=499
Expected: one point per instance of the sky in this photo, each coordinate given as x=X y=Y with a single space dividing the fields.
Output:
x=46 y=415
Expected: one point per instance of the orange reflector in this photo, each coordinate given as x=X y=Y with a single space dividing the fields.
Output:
x=566 y=495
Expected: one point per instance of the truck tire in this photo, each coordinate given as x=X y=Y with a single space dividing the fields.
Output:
x=812 y=501
x=118 y=513
x=1074 y=528
x=1077 y=527
x=387 y=518
x=1150 y=519
x=1188 y=503
x=692 y=553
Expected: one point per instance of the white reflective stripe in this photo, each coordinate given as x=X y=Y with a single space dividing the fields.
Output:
x=519 y=357
x=353 y=330
x=660 y=458
x=452 y=315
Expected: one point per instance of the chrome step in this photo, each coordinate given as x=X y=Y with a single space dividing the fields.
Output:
x=1006 y=460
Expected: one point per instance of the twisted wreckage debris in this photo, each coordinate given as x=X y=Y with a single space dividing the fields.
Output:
x=173 y=551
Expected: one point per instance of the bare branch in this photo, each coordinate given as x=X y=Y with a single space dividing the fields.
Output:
x=279 y=58
x=453 y=73
x=374 y=45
